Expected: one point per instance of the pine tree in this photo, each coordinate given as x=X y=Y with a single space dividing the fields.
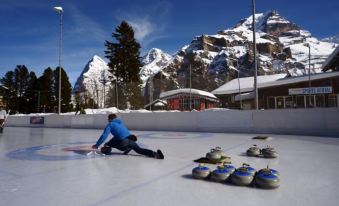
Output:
x=125 y=64
x=32 y=94
x=23 y=92
x=8 y=91
x=45 y=86
x=66 y=90
x=21 y=78
x=16 y=85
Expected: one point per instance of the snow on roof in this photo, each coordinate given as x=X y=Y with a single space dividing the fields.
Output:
x=244 y=96
x=329 y=59
x=246 y=84
x=293 y=80
x=157 y=102
x=187 y=91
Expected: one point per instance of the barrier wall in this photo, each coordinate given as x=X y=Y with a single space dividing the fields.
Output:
x=320 y=122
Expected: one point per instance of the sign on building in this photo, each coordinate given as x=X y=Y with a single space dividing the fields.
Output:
x=310 y=90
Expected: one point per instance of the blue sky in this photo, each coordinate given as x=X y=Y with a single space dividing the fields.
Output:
x=29 y=29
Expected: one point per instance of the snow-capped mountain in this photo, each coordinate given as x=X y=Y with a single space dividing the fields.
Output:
x=332 y=39
x=282 y=47
x=153 y=62
x=96 y=72
x=94 y=80
x=212 y=60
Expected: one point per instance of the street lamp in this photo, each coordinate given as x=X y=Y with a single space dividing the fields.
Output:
x=60 y=11
x=150 y=92
x=309 y=72
x=190 y=87
x=255 y=57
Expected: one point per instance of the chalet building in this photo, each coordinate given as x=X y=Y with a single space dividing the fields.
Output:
x=189 y=99
x=279 y=91
x=157 y=104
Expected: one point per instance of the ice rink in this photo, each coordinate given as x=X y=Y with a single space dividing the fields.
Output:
x=46 y=166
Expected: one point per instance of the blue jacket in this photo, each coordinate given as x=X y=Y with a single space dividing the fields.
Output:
x=117 y=128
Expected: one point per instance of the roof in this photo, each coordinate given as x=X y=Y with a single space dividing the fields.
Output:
x=157 y=102
x=247 y=83
x=304 y=78
x=166 y=95
x=244 y=96
x=332 y=61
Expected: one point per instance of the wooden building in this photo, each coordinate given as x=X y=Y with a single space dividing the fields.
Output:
x=189 y=99
x=279 y=92
x=157 y=104
x=317 y=90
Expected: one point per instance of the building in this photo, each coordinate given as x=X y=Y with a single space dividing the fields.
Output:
x=279 y=91
x=189 y=99
x=239 y=93
x=332 y=62
x=157 y=104
x=317 y=90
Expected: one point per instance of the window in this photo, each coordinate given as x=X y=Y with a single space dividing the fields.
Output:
x=271 y=103
x=280 y=103
x=299 y=103
x=332 y=100
x=289 y=102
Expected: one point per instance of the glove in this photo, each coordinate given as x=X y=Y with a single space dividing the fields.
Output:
x=133 y=138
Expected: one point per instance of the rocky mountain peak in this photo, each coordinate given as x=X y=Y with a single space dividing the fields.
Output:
x=332 y=39
x=154 y=54
x=209 y=60
x=277 y=25
x=281 y=47
x=271 y=23
x=93 y=79
x=153 y=62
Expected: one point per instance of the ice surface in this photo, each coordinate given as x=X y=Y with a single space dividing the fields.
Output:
x=45 y=166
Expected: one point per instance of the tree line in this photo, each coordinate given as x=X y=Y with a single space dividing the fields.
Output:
x=24 y=92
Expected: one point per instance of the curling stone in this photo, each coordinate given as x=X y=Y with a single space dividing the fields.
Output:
x=215 y=154
x=274 y=172
x=248 y=168
x=220 y=151
x=229 y=167
x=267 y=178
x=220 y=174
x=242 y=177
x=201 y=172
x=253 y=151
x=269 y=152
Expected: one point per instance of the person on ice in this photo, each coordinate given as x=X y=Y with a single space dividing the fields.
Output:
x=3 y=116
x=122 y=140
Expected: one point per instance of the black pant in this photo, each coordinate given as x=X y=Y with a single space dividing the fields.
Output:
x=127 y=144
x=1 y=125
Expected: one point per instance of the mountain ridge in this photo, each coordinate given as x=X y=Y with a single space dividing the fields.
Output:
x=212 y=60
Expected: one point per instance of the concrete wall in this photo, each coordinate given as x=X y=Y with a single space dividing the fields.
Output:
x=320 y=122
